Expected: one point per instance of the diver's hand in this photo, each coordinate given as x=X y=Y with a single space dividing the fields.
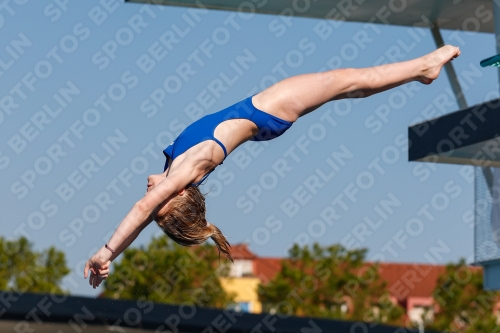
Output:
x=98 y=267
x=103 y=273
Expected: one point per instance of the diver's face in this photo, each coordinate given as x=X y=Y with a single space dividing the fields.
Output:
x=154 y=180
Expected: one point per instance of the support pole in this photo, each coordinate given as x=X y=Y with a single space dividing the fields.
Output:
x=491 y=275
x=455 y=85
x=450 y=71
x=496 y=18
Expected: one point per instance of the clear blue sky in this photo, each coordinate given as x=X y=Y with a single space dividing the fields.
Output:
x=89 y=101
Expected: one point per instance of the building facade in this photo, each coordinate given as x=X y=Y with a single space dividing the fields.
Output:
x=410 y=285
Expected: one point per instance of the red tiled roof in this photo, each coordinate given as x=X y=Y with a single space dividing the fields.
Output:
x=410 y=280
x=242 y=252
x=403 y=280
x=266 y=268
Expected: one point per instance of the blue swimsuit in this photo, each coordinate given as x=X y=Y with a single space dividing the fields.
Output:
x=203 y=129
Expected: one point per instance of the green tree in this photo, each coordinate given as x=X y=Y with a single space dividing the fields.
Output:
x=168 y=273
x=462 y=304
x=330 y=282
x=25 y=270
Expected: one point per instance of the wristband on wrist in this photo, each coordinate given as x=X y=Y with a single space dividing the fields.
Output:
x=106 y=246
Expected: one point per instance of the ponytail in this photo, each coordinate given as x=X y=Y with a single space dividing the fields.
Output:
x=219 y=240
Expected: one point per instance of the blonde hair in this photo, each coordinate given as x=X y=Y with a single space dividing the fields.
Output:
x=184 y=222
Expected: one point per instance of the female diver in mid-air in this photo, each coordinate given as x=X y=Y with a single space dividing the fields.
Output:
x=173 y=199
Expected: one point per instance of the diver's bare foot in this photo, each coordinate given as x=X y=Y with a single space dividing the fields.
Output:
x=434 y=61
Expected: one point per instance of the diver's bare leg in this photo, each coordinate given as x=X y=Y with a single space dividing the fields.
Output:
x=296 y=96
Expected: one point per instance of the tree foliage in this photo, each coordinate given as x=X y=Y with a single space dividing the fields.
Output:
x=461 y=303
x=168 y=273
x=330 y=282
x=25 y=270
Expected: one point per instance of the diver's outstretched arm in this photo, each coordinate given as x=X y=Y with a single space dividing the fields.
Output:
x=137 y=219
